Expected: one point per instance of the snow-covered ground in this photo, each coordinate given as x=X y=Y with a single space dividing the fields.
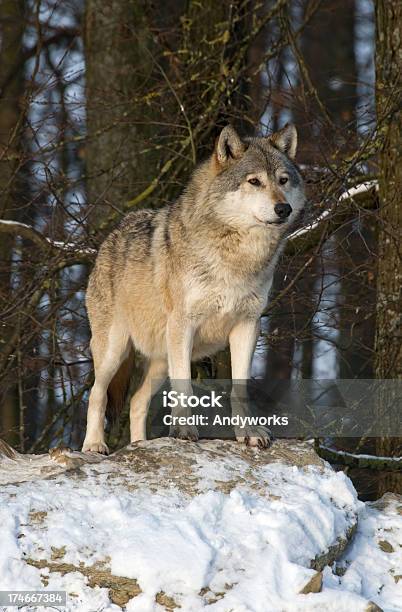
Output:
x=372 y=564
x=209 y=525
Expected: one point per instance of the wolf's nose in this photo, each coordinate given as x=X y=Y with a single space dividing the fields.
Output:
x=283 y=210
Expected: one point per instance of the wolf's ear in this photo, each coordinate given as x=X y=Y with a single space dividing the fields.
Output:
x=286 y=140
x=229 y=145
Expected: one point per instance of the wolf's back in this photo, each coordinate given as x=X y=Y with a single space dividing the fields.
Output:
x=129 y=242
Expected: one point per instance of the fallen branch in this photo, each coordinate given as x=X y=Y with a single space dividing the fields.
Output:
x=358 y=460
x=47 y=244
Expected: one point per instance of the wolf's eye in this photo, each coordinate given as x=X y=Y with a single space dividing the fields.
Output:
x=283 y=180
x=254 y=181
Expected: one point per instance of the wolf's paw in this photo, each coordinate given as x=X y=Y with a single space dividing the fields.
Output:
x=95 y=447
x=258 y=436
x=184 y=432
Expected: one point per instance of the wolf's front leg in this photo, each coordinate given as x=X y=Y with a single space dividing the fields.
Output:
x=242 y=340
x=179 y=337
x=155 y=376
x=108 y=356
x=95 y=437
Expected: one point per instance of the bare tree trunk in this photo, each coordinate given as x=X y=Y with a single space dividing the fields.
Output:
x=388 y=361
x=119 y=62
x=327 y=66
x=11 y=31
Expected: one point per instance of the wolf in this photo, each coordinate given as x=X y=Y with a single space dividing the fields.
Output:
x=182 y=282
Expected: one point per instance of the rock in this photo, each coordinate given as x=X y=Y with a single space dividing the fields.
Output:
x=386 y=546
x=314 y=585
x=374 y=557
x=372 y=607
x=15 y=467
x=177 y=522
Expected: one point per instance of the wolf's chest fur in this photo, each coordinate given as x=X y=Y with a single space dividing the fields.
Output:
x=215 y=310
x=233 y=287
x=204 y=303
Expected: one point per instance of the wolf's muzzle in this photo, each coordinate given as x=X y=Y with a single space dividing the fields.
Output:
x=283 y=210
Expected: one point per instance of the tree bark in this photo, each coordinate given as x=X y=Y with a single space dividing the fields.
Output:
x=389 y=69
x=118 y=64
x=388 y=355
x=11 y=32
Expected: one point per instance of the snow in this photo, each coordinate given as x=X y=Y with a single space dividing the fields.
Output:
x=247 y=547
x=305 y=229
x=349 y=194
x=369 y=569
x=360 y=188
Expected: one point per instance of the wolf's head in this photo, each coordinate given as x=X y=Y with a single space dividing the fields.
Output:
x=255 y=180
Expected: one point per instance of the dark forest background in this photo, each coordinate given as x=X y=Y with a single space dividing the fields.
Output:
x=107 y=105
